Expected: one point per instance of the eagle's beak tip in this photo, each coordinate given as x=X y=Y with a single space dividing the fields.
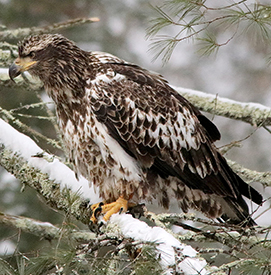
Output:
x=14 y=71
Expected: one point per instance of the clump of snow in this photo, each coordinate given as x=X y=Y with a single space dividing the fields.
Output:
x=7 y=247
x=167 y=245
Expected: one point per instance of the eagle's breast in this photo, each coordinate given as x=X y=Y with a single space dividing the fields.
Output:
x=93 y=152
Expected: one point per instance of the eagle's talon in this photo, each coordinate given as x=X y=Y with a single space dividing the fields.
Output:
x=121 y=210
x=101 y=223
x=93 y=226
x=97 y=211
x=119 y=206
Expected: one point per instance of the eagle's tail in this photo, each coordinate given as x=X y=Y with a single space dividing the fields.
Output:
x=225 y=209
x=235 y=211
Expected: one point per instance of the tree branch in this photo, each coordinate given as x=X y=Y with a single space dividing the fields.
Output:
x=23 y=32
x=250 y=175
x=44 y=229
x=252 y=113
x=18 y=155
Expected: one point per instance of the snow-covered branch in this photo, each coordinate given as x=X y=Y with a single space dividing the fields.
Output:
x=175 y=257
x=252 y=113
x=21 y=156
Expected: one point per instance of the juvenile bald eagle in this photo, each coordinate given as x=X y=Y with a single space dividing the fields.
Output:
x=132 y=135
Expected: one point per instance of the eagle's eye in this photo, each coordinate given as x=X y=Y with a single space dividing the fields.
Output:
x=31 y=54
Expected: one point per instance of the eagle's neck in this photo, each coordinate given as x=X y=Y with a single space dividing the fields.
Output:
x=64 y=76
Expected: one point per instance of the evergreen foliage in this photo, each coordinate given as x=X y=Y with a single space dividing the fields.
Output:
x=203 y=22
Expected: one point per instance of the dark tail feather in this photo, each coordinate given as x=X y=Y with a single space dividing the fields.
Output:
x=237 y=212
x=241 y=186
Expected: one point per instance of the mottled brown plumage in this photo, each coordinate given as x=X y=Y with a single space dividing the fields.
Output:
x=131 y=134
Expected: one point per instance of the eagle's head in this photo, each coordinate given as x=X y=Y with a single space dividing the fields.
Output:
x=57 y=61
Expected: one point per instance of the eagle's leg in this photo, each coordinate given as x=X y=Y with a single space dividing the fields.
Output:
x=121 y=204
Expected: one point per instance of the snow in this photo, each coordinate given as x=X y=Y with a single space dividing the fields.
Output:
x=27 y=148
x=167 y=245
x=7 y=247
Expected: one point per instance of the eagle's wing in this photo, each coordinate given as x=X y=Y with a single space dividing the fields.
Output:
x=162 y=130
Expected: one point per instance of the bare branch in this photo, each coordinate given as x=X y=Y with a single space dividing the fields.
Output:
x=23 y=32
x=44 y=229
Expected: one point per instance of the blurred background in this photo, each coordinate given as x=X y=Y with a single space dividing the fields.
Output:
x=238 y=71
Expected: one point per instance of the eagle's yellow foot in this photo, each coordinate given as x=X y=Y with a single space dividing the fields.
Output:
x=120 y=205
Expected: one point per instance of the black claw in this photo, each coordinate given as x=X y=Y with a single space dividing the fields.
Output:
x=121 y=210
x=137 y=211
x=100 y=224
x=93 y=227
x=98 y=210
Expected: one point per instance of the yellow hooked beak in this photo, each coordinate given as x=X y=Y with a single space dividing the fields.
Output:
x=20 y=65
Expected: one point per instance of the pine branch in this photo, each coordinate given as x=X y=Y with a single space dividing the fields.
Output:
x=23 y=32
x=201 y=21
x=44 y=230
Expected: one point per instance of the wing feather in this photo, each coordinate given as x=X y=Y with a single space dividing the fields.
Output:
x=163 y=131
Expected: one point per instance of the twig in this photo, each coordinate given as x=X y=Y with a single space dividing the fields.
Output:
x=8 y=116
x=23 y=32
x=44 y=229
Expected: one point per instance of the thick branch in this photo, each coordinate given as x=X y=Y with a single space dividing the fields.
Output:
x=23 y=32
x=61 y=199
x=250 y=175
